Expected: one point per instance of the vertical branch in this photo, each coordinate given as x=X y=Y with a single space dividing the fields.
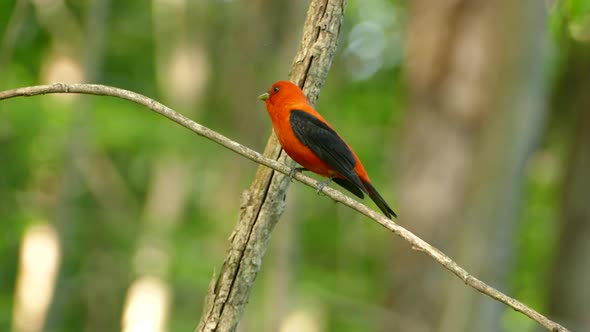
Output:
x=263 y=203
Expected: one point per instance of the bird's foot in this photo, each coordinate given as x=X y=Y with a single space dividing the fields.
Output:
x=322 y=185
x=294 y=170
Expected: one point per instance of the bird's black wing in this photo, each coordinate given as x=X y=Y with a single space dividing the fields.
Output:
x=328 y=146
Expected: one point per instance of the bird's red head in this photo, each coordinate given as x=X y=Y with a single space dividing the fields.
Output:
x=283 y=93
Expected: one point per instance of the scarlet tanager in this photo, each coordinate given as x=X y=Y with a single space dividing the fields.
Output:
x=314 y=144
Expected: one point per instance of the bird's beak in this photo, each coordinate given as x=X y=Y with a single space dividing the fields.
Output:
x=264 y=96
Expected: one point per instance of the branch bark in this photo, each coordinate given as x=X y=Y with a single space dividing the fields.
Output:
x=415 y=242
x=263 y=203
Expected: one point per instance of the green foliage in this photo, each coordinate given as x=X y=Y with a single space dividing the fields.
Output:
x=571 y=17
x=102 y=211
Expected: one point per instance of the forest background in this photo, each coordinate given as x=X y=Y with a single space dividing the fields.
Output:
x=473 y=119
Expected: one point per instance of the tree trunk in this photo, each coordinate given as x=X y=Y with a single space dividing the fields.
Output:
x=263 y=203
x=476 y=106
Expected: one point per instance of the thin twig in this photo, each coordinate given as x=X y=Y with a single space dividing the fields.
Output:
x=416 y=242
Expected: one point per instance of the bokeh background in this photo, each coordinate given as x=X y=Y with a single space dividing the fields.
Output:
x=472 y=117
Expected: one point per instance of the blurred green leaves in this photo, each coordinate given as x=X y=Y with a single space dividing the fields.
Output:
x=573 y=18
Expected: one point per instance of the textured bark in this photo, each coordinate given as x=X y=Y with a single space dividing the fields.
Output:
x=476 y=107
x=263 y=203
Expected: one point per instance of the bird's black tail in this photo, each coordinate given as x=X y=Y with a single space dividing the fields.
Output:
x=374 y=194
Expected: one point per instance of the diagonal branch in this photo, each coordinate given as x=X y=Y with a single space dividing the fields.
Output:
x=263 y=203
x=415 y=242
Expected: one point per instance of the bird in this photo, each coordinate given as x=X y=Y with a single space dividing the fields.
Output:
x=312 y=142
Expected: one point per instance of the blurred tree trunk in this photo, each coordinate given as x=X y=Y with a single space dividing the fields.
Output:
x=476 y=106
x=89 y=287
x=281 y=271
x=570 y=293
x=182 y=70
x=262 y=49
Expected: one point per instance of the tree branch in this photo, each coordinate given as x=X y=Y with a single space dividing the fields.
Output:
x=263 y=203
x=415 y=242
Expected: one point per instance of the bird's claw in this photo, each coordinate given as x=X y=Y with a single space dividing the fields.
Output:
x=322 y=185
x=294 y=171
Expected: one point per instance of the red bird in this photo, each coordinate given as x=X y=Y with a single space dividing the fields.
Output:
x=314 y=144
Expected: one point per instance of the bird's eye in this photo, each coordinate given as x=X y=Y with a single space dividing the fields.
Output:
x=276 y=89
